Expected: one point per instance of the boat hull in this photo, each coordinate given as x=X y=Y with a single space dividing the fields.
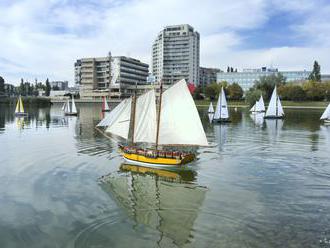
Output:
x=21 y=114
x=71 y=114
x=274 y=117
x=327 y=121
x=142 y=160
x=221 y=121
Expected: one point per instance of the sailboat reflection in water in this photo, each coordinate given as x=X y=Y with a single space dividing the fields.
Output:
x=163 y=200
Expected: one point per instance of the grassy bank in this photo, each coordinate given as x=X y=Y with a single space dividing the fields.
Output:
x=27 y=101
x=288 y=104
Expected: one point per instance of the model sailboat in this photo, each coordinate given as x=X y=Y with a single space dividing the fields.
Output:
x=177 y=124
x=70 y=110
x=326 y=115
x=19 y=110
x=259 y=106
x=105 y=106
x=211 y=109
x=221 y=111
x=274 y=110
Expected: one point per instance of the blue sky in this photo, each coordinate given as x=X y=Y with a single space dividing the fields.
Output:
x=43 y=38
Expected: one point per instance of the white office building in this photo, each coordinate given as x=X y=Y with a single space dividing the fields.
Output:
x=175 y=55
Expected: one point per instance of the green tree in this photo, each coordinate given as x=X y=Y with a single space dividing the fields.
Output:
x=267 y=83
x=292 y=92
x=316 y=72
x=252 y=95
x=2 y=85
x=47 y=91
x=212 y=90
x=235 y=92
x=315 y=91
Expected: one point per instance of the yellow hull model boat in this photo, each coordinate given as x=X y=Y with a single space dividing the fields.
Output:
x=156 y=158
x=152 y=134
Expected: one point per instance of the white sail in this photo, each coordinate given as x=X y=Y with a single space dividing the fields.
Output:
x=261 y=104
x=221 y=111
x=280 y=111
x=106 y=106
x=73 y=107
x=120 y=125
x=326 y=114
x=64 y=105
x=145 y=124
x=211 y=109
x=113 y=115
x=271 y=110
x=21 y=108
x=179 y=119
x=253 y=109
x=67 y=106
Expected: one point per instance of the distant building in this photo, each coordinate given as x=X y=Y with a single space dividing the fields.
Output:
x=175 y=55
x=97 y=77
x=247 y=77
x=126 y=73
x=10 y=89
x=325 y=77
x=59 y=85
x=207 y=76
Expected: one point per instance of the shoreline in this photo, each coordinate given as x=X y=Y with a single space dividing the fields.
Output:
x=284 y=106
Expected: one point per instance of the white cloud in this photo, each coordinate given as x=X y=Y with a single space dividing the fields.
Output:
x=46 y=37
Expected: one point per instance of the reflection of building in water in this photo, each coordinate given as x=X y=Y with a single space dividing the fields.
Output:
x=157 y=199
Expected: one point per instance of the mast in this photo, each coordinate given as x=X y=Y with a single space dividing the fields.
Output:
x=159 y=110
x=276 y=103
x=220 y=102
x=133 y=114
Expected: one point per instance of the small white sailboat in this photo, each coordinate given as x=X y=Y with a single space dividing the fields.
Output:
x=274 y=110
x=259 y=106
x=221 y=112
x=70 y=110
x=19 y=110
x=326 y=115
x=105 y=106
x=211 y=109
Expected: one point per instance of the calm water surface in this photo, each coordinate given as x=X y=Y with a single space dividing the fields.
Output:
x=62 y=184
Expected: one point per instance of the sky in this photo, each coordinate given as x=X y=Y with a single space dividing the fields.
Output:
x=41 y=39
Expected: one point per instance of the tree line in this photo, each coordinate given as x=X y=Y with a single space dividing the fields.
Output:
x=24 y=89
x=312 y=89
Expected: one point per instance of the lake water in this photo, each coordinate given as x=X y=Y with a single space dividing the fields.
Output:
x=63 y=184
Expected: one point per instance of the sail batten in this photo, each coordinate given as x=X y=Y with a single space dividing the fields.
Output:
x=179 y=120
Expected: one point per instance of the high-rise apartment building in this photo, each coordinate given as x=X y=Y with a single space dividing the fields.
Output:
x=207 y=76
x=175 y=55
x=103 y=76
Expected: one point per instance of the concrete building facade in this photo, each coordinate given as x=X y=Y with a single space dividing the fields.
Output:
x=59 y=85
x=247 y=77
x=175 y=55
x=109 y=76
x=207 y=76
